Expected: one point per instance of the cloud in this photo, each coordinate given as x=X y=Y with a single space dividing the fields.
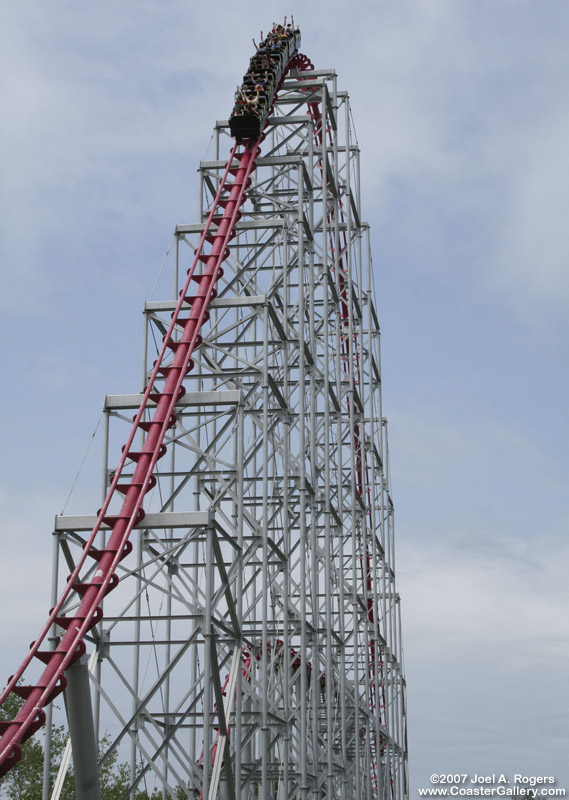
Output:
x=533 y=246
x=467 y=458
x=486 y=638
x=25 y=589
x=509 y=600
x=463 y=113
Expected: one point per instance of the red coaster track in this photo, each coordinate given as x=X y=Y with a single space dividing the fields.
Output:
x=159 y=401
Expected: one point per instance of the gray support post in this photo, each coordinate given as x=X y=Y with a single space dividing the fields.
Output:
x=82 y=731
x=52 y=645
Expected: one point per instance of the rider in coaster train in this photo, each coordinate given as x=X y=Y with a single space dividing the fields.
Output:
x=252 y=99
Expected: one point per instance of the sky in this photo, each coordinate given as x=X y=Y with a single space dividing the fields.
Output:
x=461 y=113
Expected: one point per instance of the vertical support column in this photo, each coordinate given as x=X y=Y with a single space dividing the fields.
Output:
x=136 y=668
x=100 y=629
x=81 y=731
x=265 y=738
x=239 y=448
x=299 y=345
x=328 y=550
x=311 y=457
x=283 y=791
x=207 y=676
x=52 y=646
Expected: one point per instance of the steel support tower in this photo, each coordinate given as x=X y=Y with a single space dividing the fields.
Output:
x=251 y=644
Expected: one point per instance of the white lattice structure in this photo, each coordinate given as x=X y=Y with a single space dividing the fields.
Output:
x=252 y=647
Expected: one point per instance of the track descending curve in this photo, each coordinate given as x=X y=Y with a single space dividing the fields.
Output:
x=158 y=401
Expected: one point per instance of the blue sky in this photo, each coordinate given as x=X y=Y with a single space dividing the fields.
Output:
x=461 y=112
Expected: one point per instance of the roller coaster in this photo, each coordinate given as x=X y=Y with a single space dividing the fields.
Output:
x=235 y=594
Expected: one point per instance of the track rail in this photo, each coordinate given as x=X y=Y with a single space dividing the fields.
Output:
x=159 y=402
x=205 y=270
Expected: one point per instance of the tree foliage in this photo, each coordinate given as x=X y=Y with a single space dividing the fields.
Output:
x=25 y=779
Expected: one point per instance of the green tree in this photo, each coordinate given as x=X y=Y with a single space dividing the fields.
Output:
x=25 y=779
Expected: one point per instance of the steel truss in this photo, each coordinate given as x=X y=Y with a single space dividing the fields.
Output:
x=252 y=645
